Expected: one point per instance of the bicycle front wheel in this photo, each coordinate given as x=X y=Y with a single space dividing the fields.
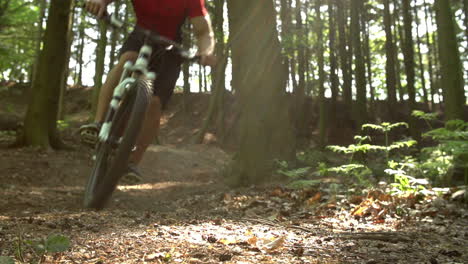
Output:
x=112 y=156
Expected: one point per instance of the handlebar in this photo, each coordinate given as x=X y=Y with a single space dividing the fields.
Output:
x=154 y=37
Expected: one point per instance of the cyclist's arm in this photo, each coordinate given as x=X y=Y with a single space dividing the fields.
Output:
x=205 y=39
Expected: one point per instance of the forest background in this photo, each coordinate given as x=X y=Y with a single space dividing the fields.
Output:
x=309 y=70
x=347 y=120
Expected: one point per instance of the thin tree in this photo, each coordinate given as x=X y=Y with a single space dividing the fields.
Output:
x=359 y=64
x=390 y=67
x=40 y=32
x=321 y=61
x=114 y=37
x=365 y=19
x=344 y=52
x=408 y=52
x=216 y=105
x=430 y=55
x=334 y=81
x=100 y=65
x=300 y=91
x=420 y=58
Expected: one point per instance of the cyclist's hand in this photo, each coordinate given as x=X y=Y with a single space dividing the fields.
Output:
x=208 y=60
x=96 y=7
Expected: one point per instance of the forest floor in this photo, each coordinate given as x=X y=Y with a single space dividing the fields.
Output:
x=183 y=212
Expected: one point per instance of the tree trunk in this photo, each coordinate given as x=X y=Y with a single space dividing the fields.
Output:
x=390 y=67
x=40 y=124
x=300 y=95
x=66 y=72
x=320 y=58
x=81 y=32
x=452 y=76
x=360 y=70
x=408 y=52
x=100 y=65
x=285 y=30
x=399 y=43
x=420 y=59
x=40 y=32
x=265 y=125
x=216 y=106
x=465 y=11
x=187 y=42
x=334 y=81
x=114 y=39
x=344 y=53
x=430 y=54
x=365 y=18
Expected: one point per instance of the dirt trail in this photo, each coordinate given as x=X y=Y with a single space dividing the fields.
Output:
x=183 y=213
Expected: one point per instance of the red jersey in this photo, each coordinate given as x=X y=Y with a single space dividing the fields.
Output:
x=167 y=16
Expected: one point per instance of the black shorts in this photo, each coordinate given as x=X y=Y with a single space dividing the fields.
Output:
x=166 y=64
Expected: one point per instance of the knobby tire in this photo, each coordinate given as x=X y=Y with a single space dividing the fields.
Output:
x=112 y=161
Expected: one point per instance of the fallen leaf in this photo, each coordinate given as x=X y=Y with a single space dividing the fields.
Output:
x=271 y=246
x=227 y=241
x=252 y=241
x=314 y=199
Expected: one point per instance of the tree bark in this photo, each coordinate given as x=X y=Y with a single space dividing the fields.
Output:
x=430 y=54
x=452 y=76
x=216 y=105
x=365 y=18
x=40 y=32
x=408 y=52
x=465 y=11
x=40 y=124
x=360 y=70
x=420 y=59
x=334 y=81
x=81 y=35
x=114 y=38
x=66 y=72
x=390 y=65
x=344 y=53
x=265 y=125
x=320 y=58
x=100 y=65
x=300 y=91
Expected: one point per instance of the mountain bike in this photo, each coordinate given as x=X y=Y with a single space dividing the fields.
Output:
x=124 y=119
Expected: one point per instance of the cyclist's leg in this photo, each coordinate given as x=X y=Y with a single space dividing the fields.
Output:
x=107 y=89
x=149 y=131
x=128 y=52
x=168 y=70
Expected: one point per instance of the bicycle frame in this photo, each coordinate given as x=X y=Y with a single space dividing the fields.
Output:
x=134 y=71
x=129 y=76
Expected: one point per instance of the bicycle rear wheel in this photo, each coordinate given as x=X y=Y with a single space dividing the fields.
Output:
x=112 y=156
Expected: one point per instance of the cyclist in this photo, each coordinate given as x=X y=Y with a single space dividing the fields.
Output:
x=166 y=18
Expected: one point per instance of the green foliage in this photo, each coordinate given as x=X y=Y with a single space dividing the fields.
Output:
x=385 y=127
x=18 y=38
x=62 y=125
x=403 y=182
x=427 y=117
x=361 y=147
x=452 y=150
x=301 y=184
x=6 y=260
x=363 y=172
x=359 y=171
x=283 y=169
x=54 y=243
